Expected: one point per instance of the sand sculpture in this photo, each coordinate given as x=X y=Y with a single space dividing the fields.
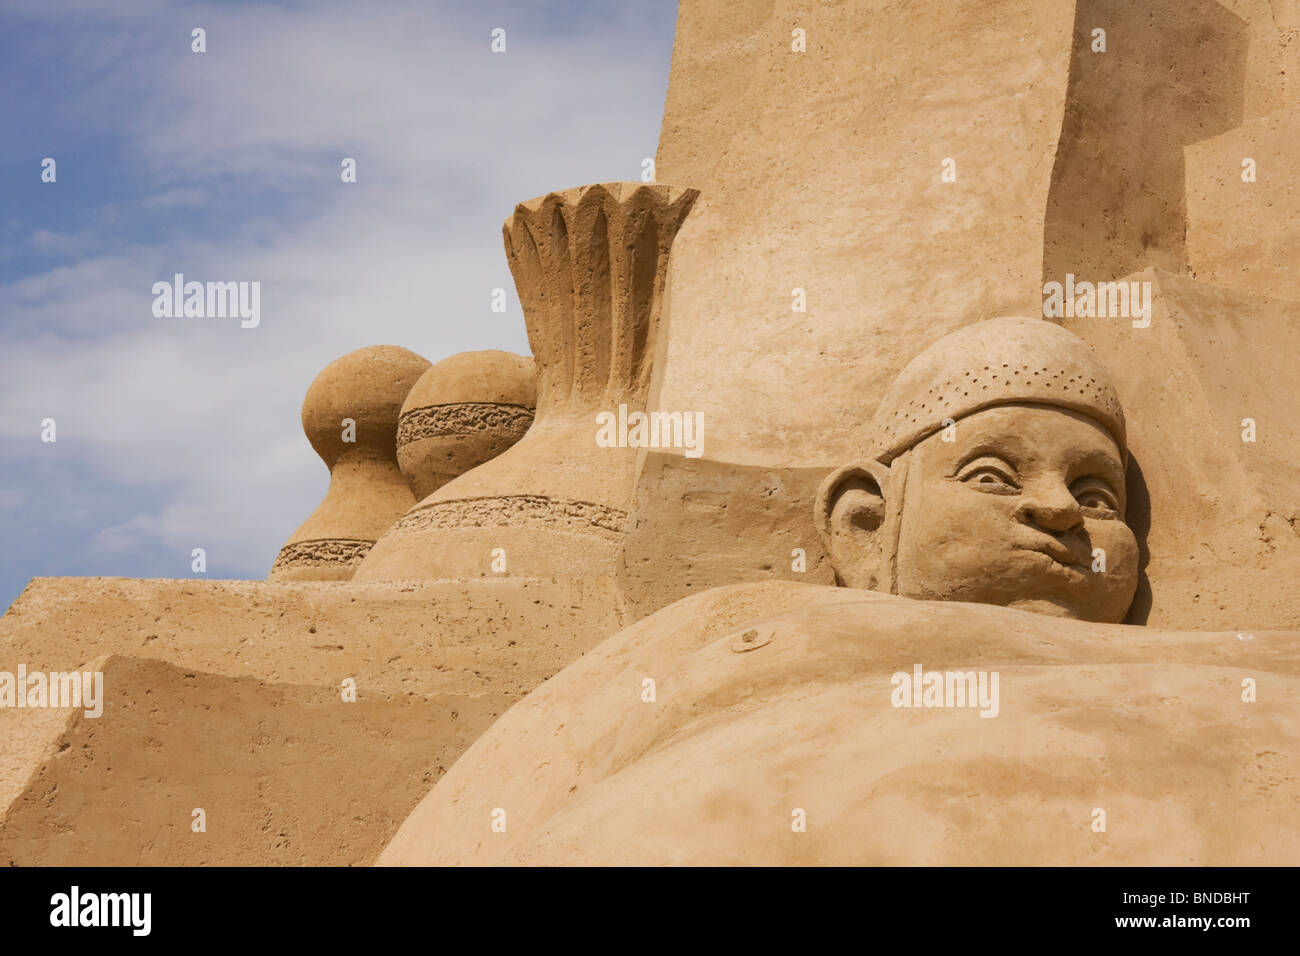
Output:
x=775 y=723
x=823 y=172
x=350 y=416
x=464 y=410
x=867 y=198
x=1021 y=413
x=589 y=265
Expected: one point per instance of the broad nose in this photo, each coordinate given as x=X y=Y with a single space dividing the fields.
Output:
x=1051 y=506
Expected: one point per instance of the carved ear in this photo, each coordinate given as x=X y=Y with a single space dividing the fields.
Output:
x=849 y=512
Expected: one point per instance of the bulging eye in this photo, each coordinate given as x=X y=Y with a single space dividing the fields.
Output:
x=1095 y=496
x=988 y=478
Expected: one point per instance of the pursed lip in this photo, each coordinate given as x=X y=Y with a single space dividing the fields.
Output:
x=1057 y=552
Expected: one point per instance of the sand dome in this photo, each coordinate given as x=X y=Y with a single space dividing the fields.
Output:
x=350 y=417
x=463 y=411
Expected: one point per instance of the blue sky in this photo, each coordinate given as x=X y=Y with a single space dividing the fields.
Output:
x=181 y=433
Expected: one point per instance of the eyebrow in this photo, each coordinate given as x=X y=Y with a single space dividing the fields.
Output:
x=1098 y=463
x=985 y=448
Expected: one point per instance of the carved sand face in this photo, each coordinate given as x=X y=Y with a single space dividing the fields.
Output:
x=1012 y=512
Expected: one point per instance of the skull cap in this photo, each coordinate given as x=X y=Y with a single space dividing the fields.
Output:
x=999 y=361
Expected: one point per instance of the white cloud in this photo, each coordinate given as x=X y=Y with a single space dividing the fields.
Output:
x=447 y=136
x=48 y=242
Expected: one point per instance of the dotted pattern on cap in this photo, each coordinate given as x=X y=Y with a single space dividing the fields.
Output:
x=984 y=386
x=1085 y=387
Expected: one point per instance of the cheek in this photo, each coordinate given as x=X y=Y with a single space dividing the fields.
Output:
x=946 y=518
x=969 y=510
x=1117 y=540
x=1110 y=595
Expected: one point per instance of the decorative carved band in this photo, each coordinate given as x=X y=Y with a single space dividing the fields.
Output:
x=321 y=552
x=462 y=418
x=535 y=511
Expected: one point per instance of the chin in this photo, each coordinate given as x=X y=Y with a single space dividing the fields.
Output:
x=1051 y=608
x=1095 y=612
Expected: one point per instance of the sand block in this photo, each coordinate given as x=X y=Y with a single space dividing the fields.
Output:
x=1216 y=515
x=284 y=774
x=228 y=695
x=1245 y=236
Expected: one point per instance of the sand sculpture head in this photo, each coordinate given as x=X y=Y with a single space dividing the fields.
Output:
x=995 y=474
